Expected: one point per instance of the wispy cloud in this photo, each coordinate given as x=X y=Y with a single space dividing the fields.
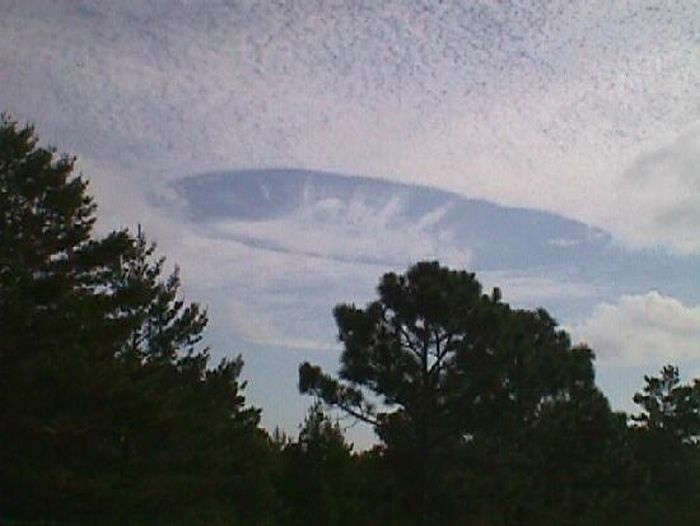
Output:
x=285 y=273
x=351 y=230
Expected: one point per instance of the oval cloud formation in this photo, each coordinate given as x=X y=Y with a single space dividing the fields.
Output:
x=281 y=247
x=376 y=221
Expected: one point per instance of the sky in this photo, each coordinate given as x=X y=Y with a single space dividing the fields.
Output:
x=287 y=153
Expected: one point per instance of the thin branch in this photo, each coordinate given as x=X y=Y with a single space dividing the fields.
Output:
x=441 y=353
x=409 y=343
x=357 y=414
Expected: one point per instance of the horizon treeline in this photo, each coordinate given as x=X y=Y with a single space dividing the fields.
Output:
x=485 y=414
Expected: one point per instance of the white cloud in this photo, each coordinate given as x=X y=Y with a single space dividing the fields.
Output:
x=659 y=196
x=642 y=329
x=352 y=230
x=538 y=288
x=268 y=296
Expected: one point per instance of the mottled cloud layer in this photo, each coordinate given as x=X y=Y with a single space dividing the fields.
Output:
x=564 y=106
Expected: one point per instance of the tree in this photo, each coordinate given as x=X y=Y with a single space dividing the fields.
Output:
x=56 y=314
x=437 y=367
x=316 y=482
x=670 y=407
x=108 y=409
x=666 y=436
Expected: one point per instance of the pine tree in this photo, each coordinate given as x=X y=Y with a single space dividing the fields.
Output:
x=456 y=373
x=57 y=319
x=108 y=409
x=317 y=484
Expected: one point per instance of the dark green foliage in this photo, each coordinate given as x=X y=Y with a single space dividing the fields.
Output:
x=107 y=408
x=665 y=440
x=670 y=408
x=53 y=309
x=317 y=482
x=475 y=398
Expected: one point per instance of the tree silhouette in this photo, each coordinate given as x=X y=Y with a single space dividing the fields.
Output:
x=316 y=483
x=108 y=409
x=669 y=406
x=666 y=435
x=437 y=367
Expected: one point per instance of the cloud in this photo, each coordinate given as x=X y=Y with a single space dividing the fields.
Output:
x=352 y=230
x=483 y=99
x=535 y=288
x=269 y=323
x=638 y=329
x=282 y=291
x=279 y=277
x=275 y=297
x=663 y=186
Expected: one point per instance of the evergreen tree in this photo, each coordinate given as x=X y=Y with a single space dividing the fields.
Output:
x=58 y=320
x=670 y=407
x=458 y=374
x=108 y=410
x=665 y=442
x=317 y=480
